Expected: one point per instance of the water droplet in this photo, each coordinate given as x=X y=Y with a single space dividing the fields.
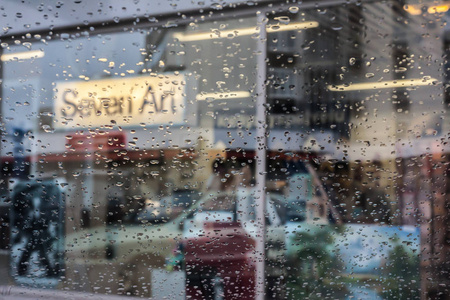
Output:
x=400 y=70
x=336 y=26
x=217 y=6
x=283 y=19
x=47 y=128
x=275 y=27
x=293 y=9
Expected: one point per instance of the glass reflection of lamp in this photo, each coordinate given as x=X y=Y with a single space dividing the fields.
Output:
x=238 y=32
x=22 y=55
x=418 y=9
x=388 y=84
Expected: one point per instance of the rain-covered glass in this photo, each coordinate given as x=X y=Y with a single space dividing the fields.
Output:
x=238 y=150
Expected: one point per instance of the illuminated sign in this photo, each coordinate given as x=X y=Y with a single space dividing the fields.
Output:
x=149 y=100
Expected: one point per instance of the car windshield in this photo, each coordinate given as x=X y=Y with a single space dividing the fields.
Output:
x=296 y=210
x=242 y=206
x=161 y=210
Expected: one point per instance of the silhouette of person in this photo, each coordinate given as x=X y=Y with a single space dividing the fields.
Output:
x=36 y=231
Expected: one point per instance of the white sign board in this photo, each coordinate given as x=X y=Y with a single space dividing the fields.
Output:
x=149 y=100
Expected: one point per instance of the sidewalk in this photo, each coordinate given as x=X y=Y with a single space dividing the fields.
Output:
x=18 y=293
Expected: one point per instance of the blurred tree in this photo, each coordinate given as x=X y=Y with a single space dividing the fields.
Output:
x=313 y=262
x=402 y=273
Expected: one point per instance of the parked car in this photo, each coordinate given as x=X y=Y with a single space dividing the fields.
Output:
x=219 y=244
x=127 y=254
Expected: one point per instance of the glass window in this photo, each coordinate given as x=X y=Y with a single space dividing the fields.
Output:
x=259 y=150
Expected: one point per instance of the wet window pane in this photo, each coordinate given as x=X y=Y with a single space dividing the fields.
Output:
x=259 y=150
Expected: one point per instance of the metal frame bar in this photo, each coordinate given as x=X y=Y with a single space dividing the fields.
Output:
x=261 y=153
x=103 y=27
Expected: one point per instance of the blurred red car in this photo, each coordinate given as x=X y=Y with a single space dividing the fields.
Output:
x=218 y=249
x=219 y=264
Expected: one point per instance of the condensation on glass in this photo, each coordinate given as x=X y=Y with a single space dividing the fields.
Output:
x=129 y=153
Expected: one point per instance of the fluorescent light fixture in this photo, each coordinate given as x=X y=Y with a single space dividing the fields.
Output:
x=438 y=9
x=223 y=96
x=414 y=10
x=22 y=55
x=242 y=31
x=382 y=84
x=292 y=26
x=417 y=9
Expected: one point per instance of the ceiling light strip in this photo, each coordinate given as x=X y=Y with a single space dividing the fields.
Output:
x=382 y=84
x=223 y=96
x=220 y=34
x=22 y=55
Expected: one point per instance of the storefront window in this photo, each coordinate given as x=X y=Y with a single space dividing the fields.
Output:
x=136 y=160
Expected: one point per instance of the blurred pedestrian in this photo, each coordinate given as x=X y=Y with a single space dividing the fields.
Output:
x=38 y=238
